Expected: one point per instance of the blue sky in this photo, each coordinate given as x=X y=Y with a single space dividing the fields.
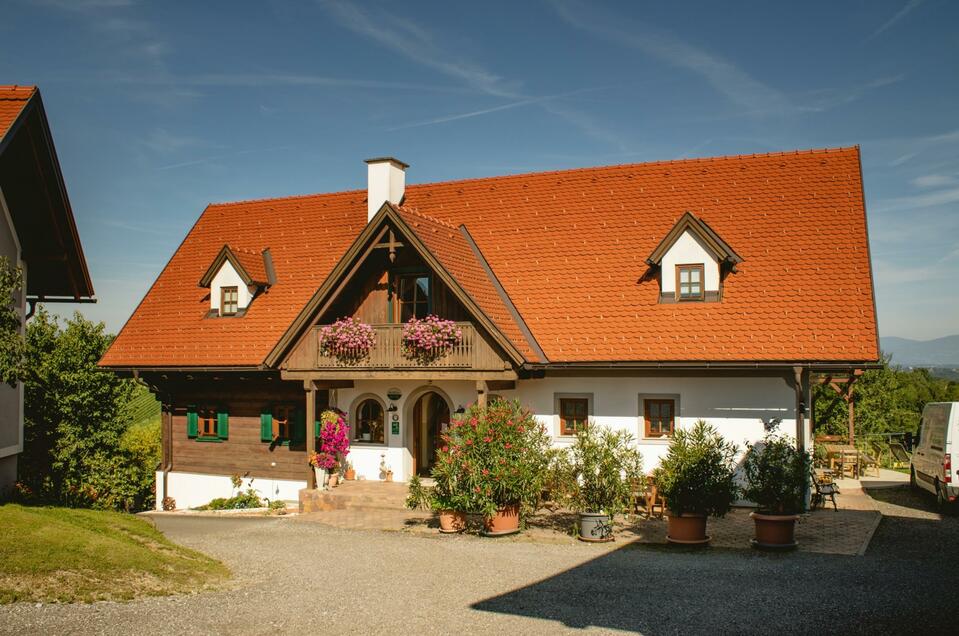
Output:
x=160 y=108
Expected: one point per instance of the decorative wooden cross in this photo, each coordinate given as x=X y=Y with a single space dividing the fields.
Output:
x=391 y=244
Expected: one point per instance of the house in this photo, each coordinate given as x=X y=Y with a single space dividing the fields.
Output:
x=641 y=297
x=38 y=234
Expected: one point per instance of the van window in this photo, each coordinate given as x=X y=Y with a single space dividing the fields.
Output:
x=935 y=422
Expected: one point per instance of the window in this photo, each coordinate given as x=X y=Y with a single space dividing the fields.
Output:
x=689 y=282
x=573 y=415
x=412 y=296
x=283 y=422
x=660 y=415
x=369 y=422
x=206 y=424
x=229 y=301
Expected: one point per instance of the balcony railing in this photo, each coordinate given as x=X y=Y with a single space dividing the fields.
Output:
x=471 y=353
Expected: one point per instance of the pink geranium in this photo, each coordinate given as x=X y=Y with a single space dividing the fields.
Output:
x=347 y=339
x=429 y=338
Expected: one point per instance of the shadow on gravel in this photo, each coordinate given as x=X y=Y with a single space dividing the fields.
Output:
x=661 y=589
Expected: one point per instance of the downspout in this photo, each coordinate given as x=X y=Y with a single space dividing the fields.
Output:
x=800 y=423
x=167 y=463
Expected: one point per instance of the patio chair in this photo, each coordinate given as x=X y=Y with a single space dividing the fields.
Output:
x=867 y=461
x=654 y=498
x=849 y=462
x=900 y=457
x=824 y=489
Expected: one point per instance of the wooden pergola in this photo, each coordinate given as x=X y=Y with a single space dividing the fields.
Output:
x=843 y=385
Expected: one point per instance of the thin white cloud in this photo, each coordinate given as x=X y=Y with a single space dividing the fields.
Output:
x=902 y=13
x=163 y=141
x=227 y=155
x=933 y=181
x=931 y=199
x=826 y=99
x=724 y=76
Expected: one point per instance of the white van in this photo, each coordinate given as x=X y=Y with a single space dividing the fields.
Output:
x=931 y=466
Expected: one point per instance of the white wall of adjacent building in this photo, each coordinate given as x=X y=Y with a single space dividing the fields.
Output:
x=11 y=398
x=191 y=490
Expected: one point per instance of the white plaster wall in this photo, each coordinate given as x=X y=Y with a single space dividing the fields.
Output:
x=228 y=277
x=687 y=250
x=366 y=458
x=191 y=489
x=11 y=398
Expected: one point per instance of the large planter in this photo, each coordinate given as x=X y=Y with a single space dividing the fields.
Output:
x=686 y=529
x=452 y=521
x=504 y=521
x=334 y=480
x=320 y=474
x=350 y=474
x=595 y=527
x=774 y=532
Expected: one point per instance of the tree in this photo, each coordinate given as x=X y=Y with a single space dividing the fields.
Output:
x=79 y=447
x=12 y=341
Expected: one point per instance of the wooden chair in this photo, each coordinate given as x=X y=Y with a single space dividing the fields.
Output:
x=825 y=488
x=653 y=499
x=867 y=461
x=900 y=456
x=849 y=462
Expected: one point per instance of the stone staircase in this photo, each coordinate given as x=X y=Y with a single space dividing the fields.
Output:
x=356 y=495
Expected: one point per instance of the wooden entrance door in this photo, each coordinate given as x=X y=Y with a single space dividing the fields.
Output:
x=431 y=414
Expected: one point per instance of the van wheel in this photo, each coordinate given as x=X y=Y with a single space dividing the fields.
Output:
x=942 y=501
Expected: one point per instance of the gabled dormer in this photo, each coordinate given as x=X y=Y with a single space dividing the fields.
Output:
x=692 y=261
x=235 y=278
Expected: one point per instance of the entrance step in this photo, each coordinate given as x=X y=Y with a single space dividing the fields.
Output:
x=356 y=495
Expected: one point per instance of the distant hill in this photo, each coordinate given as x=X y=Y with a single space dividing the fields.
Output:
x=941 y=352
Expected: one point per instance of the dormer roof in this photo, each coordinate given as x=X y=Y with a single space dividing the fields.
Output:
x=689 y=222
x=255 y=268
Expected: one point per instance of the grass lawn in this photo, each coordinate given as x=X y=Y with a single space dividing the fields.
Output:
x=65 y=555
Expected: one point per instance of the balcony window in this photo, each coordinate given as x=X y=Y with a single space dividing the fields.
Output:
x=412 y=296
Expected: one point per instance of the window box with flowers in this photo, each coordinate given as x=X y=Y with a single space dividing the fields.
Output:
x=349 y=340
x=430 y=338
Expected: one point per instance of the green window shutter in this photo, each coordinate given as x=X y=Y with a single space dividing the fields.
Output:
x=192 y=423
x=266 y=425
x=316 y=428
x=222 y=424
x=298 y=433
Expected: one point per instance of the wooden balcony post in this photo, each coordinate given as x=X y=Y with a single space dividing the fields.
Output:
x=310 y=429
x=481 y=393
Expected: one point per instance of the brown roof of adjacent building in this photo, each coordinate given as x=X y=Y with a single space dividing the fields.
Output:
x=569 y=249
x=13 y=99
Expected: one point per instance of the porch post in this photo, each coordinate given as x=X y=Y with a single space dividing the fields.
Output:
x=852 y=415
x=310 y=429
x=800 y=408
x=481 y=393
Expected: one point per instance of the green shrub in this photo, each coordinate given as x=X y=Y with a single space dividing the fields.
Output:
x=697 y=474
x=240 y=501
x=602 y=466
x=777 y=476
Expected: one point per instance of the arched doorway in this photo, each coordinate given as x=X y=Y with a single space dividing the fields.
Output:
x=430 y=416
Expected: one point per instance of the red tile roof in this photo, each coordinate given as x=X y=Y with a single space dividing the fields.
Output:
x=569 y=249
x=12 y=101
x=252 y=261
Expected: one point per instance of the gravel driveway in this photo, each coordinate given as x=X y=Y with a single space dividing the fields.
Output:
x=299 y=577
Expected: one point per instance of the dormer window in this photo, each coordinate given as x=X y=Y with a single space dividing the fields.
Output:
x=689 y=282
x=229 y=301
x=235 y=278
x=691 y=262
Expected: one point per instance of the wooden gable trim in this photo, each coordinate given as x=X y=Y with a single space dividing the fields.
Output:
x=348 y=265
x=517 y=318
x=720 y=249
x=226 y=254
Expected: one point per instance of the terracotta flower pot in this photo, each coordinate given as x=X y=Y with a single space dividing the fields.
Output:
x=452 y=521
x=334 y=480
x=776 y=532
x=389 y=475
x=350 y=474
x=595 y=527
x=504 y=521
x=686 y=529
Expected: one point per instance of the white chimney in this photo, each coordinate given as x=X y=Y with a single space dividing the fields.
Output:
x=386 y=182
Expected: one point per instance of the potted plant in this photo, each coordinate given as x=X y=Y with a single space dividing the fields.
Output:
x=350 y=473
x=426 y=339
x=696 y=478
x=334 y=478
x=440 y=498
x=602 y=466
x=500 y=450
x=347 y=340
x=777 y=477
x=334 y=439
x=322 y=463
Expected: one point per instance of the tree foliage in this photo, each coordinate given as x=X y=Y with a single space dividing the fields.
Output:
x=888 y=400
x=81 y=446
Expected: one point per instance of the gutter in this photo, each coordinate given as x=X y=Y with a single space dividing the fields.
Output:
x=692 y=365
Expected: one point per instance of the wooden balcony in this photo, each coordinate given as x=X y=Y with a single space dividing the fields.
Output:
x=472 y=354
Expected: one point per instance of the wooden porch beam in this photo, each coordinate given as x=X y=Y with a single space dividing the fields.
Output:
x=310 y=434
x=501 y=385
x=481 y=391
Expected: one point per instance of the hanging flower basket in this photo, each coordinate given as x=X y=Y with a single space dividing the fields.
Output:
x=347 y=340
x=430 y=338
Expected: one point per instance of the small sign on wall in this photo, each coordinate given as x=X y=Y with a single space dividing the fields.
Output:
x=395 y=426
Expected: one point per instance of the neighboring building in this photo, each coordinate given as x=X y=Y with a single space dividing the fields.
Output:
x=642 y=297
x=37 y=233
